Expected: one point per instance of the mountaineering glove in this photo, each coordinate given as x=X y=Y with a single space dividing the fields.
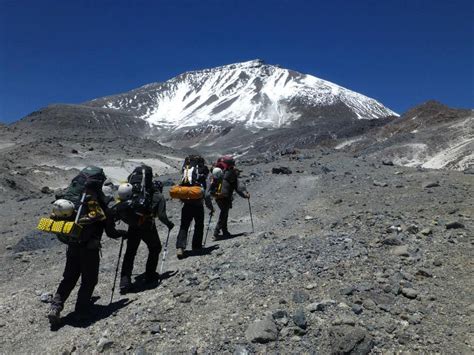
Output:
x=247 y=195
x=170 y=225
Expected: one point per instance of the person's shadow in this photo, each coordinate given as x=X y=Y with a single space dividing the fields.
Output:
x=231 y=236
x=201 y=252
x=97 y=312
x=141 y=284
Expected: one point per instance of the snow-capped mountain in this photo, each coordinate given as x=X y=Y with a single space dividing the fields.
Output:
x=251 y=94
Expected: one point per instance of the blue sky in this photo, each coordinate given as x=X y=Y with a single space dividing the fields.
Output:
x=400 y=52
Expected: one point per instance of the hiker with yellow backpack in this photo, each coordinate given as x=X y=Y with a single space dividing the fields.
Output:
x=80 y=216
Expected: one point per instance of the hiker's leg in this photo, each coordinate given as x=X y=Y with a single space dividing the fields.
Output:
x=186 y=218
x=198 y=226
x=71 y=274
x=90 y=260
x=152 y=241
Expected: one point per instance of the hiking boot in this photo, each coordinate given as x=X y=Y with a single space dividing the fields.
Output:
x=226 y=234
x=216 y=235
x=54 y=316
x=125 y=284
x=180 y=253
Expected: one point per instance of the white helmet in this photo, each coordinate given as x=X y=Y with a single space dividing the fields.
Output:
x=125 y=191
x=217 y=173
x=63 y=208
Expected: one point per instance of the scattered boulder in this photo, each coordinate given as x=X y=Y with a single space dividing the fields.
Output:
x=430 y=184
x=454 y=225
x=409 y=292
x=424 y=273
x=437 y=262
x=401 y=250
x=281 y=317
x=347 y=291
x=282 y=170
x=469 y=170
x=262 y=331
x=10 y=183
x=300 y=296
x=299 y=319
x=46 y=297
x=46 y=190
x=357 y=309
x=426 y=231
x=320 y=306
x=350 y=340
x=380 y=183
x=104 y=344
x=387 y=162
x=241 y=350
x=74 y=151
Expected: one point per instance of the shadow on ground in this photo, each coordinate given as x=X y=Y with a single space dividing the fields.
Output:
x=97 y=312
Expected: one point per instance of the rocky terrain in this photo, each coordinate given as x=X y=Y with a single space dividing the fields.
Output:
x=363 y=227
x=349 y=255
x=430 y=135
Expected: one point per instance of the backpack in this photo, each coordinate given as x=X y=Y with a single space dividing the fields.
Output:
x=89 y=181
x=225 y=162
x=140 y=205
x=91 y=178
x=194 y=171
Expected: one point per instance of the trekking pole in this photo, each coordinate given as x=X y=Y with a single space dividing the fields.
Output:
x=165 y=252
x=83 y=198
x=116 y=271
x=208 y=227
x=251 y=217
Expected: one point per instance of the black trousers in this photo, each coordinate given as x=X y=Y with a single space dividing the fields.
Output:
x=84 y=262
x=224 y=206
x=188 y=213
x=135 y=235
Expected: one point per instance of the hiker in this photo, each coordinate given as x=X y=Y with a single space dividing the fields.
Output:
x=82 y=255
x=222 y=183
x=191 y=193
x=141 y=223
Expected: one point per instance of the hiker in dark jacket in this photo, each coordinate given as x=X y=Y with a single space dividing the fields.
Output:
x=82 y=259
x=230 y=183
x=147 y=232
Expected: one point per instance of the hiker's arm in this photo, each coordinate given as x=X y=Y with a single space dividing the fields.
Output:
x=110 y=225
x=241 y=189
x=207 y=196
x=161 y=212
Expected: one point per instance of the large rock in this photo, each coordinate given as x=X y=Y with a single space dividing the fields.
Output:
x=350 y=340
x=262 y=331
x=401 y=250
